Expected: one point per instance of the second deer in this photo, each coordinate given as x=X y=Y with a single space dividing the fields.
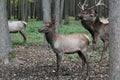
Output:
x=100 y=27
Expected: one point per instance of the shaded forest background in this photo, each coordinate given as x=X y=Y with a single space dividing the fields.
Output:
x=32 y=9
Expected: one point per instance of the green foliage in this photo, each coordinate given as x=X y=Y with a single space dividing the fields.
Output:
x=31 y=0
x=16 y=3
x=73 y=27
x=72 y=57
x=12 y=54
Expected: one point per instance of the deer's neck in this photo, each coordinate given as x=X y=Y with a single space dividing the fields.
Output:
x=97 y=24
x=50 y=37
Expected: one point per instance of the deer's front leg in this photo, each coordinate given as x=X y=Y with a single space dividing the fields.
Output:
x=105 y=46
x=22 y=32
x=94 y=43
x=58 y=60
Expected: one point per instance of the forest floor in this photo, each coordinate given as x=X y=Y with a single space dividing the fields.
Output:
x=38 y=63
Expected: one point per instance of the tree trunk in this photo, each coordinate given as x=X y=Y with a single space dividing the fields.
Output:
x=46 y=10
x=66 y=10
x=53 y=9
x=25 y=11
x=61 y=10
x=20 y=7
x=23 y=6
x=114 y=19
x=72 y=8
x=5 y=45
x=8 y=9
x=31 y=9
x=39 y=10
x=77 y=9
x=57 y=15
x=46 y=7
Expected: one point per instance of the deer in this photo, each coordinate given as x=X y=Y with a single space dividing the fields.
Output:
x=100 y=27
x=84 y=10
x=65 y=44
x=18 y=26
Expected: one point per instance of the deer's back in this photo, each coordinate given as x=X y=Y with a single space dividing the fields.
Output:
x=15 y=26
x=71 y=42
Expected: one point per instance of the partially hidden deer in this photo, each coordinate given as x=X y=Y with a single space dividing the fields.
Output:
x=66 y=44
x=18 y=26
x=100 y=27
x=84 y=10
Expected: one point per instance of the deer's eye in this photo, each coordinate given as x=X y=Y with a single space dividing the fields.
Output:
x=91 y=15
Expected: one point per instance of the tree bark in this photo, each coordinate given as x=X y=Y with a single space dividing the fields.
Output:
x=77 y=9
x=46 y=7
x=66 y=11
x=39 y=10
x=8 y=9
x=25 y=11
x=57 y=15
x=61 y=10
x=20 y=7
x=114 y=19
x=5 y=44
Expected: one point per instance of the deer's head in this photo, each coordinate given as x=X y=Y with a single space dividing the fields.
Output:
x=91 y=17
x=85 y=11
x=47 y=26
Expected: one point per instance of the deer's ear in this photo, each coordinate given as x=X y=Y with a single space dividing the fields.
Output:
x=49 y=21
x=94 y=11
x=52 y=22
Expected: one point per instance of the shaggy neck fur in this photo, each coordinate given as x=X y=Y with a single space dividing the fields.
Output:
x=50 y=36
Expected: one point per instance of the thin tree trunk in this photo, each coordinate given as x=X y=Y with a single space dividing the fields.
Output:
x=53 y=9
x=77 y=9
x=114 y=19
x=61 y=10
x=8 y=9
x=72 y=8
x=57 y=15
x=19 y=9
x=25 y=11
x=39 y=10
x=66 y=10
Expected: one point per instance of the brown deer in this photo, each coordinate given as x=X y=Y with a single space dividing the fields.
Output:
x=65 y=44
x=84 y=10
x=100 y=27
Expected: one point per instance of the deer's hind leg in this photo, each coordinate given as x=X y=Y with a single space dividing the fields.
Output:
x=23 y=35
x=84 y=61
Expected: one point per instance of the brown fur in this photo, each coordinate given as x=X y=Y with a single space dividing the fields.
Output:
x=100 y=27
x=89 y=27
x=66 y=44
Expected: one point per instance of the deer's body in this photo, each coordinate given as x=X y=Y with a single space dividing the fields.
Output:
x=17 y=26
x=100 y=27
x=63 y=42
x=84 y=11
x=91 y=29
x=66 y=44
